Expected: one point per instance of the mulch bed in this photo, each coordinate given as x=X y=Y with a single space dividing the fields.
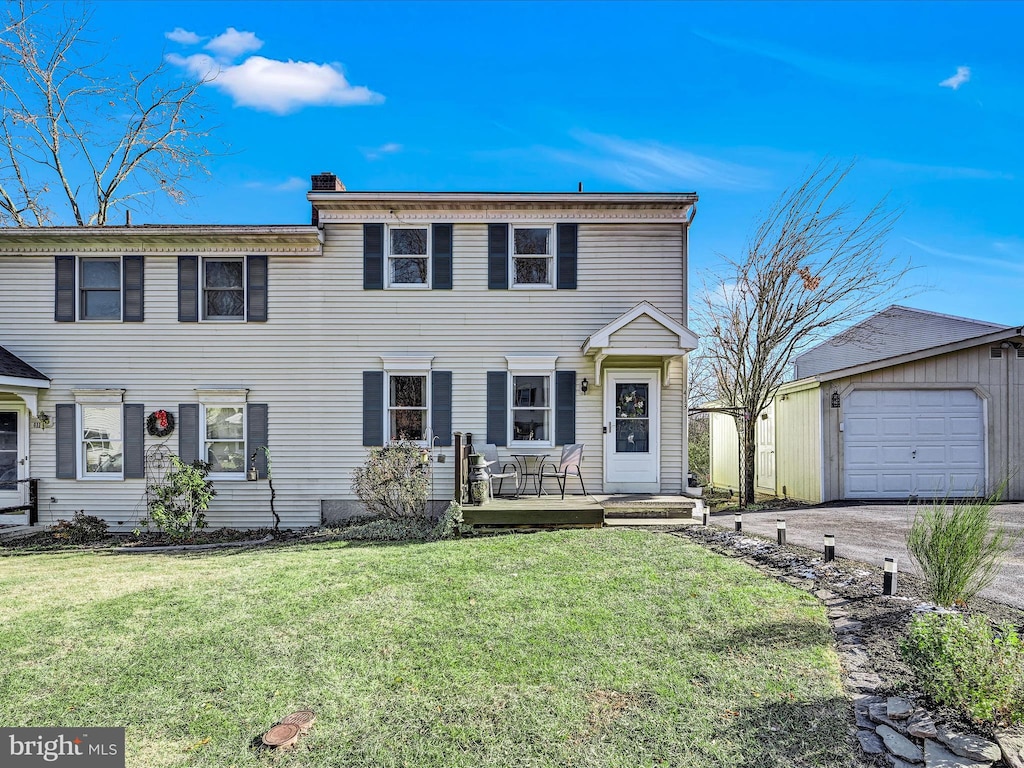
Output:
x=884 y=619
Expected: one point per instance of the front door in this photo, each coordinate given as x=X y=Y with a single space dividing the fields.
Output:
x=631 y=448
x=13 y=464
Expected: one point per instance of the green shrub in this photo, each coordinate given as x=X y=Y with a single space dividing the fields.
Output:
x=387 y=529
x=83 y=529
x=393 y=482
x=178 y=503
x=959 y=547
x=962 y=662
x=450 y=524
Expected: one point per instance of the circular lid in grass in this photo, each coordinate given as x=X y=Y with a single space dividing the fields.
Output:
x=304 y=718
x=282 y=736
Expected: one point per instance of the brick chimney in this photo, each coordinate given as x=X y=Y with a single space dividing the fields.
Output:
x=324 y=182
x=327 y=182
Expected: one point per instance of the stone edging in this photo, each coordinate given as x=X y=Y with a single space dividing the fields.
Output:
x=895 y=728
x=192 y=547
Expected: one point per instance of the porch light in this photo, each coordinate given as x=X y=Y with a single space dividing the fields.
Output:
x=44 y=420
x=252 y=474
x=584 y=386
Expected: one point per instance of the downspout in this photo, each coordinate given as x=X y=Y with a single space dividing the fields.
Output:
x=686 y=359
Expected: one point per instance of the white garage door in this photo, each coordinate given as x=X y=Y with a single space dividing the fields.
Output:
x=906 y=442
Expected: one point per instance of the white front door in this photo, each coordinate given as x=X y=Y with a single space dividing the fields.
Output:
x=631 y=447
x=13 y=463
x=765 y=470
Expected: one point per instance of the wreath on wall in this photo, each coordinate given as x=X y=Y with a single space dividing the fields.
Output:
x=160 y=423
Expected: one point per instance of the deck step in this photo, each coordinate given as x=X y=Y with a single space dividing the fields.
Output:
x=676 y=508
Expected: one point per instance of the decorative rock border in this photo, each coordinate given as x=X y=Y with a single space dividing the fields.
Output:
x=895 y=729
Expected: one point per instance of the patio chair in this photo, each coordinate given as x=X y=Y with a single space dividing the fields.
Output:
x=569 y=465
x=498 y=471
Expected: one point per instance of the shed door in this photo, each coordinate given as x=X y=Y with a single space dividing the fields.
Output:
x=913 y=442
x=765 y=470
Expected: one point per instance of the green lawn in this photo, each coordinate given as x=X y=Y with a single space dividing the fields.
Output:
x=573 y=648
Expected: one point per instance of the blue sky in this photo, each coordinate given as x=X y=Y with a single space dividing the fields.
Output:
x=735 y=101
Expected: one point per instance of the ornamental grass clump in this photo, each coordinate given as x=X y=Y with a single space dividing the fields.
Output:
x=962 y=662
x=959 y=547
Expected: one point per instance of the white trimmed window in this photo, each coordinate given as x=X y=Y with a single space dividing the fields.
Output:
x=531 y=415
x=100 y=434
x=532 y=256
x=407 y=383
x=223 y=285
x=222 y=432
x=408 y=257
x=99 y=289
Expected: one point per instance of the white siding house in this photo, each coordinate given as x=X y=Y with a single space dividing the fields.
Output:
x=909 y=404
x=393 y=314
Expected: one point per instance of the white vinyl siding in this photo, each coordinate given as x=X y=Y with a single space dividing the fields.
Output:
x=325 y=331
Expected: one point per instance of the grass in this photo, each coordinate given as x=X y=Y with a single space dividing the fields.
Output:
x=574 y=648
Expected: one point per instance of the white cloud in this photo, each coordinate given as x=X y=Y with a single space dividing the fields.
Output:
x=999 y=264
x=232 y=43
x=183 y=36
x=651 y=165
x=384 y=149
x=276 y=86
x=963 y=74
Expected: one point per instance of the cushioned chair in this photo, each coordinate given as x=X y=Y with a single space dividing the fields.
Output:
x=568 y=466
x=498 y=471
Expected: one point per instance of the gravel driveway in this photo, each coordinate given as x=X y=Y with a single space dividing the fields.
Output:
x=871 y=532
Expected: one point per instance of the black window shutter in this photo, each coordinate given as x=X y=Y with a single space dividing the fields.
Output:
x=441 y=258
x=565 y=407
x=497 y=258
x=441 y=406
x=67 y=441
x=188 y=289
x=373 y=257
x=256 y=289
x=257 y=435
x=188 y=432
x=565 y=267
x=373 y=408
x=64 y=290
x=497 y=407
x=134 y=461
x=134 y=283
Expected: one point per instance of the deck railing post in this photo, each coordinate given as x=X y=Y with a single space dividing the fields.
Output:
x=33 y=501
x=459 y=468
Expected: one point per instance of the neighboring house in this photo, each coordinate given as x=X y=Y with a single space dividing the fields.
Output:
x=905 y=404
x=530 y=320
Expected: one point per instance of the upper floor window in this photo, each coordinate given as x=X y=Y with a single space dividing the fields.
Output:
x=99 y=289
x=532 y=256
x=106 y=288
x=408 y=256
x=223 y=289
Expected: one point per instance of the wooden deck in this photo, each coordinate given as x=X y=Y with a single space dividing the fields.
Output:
x=575 y=511
x=536 y=512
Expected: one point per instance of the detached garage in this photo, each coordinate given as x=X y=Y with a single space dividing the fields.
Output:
x=908 y=404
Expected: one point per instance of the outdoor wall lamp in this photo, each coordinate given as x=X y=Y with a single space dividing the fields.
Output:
x=44 y=420
x=584 y=386
x=252 y=474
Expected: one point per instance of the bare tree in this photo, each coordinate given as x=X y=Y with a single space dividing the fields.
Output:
x=811 y=267
x=77 y=141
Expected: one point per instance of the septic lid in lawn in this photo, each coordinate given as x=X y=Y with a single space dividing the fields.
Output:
x=282 y=736
x=304 y=718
